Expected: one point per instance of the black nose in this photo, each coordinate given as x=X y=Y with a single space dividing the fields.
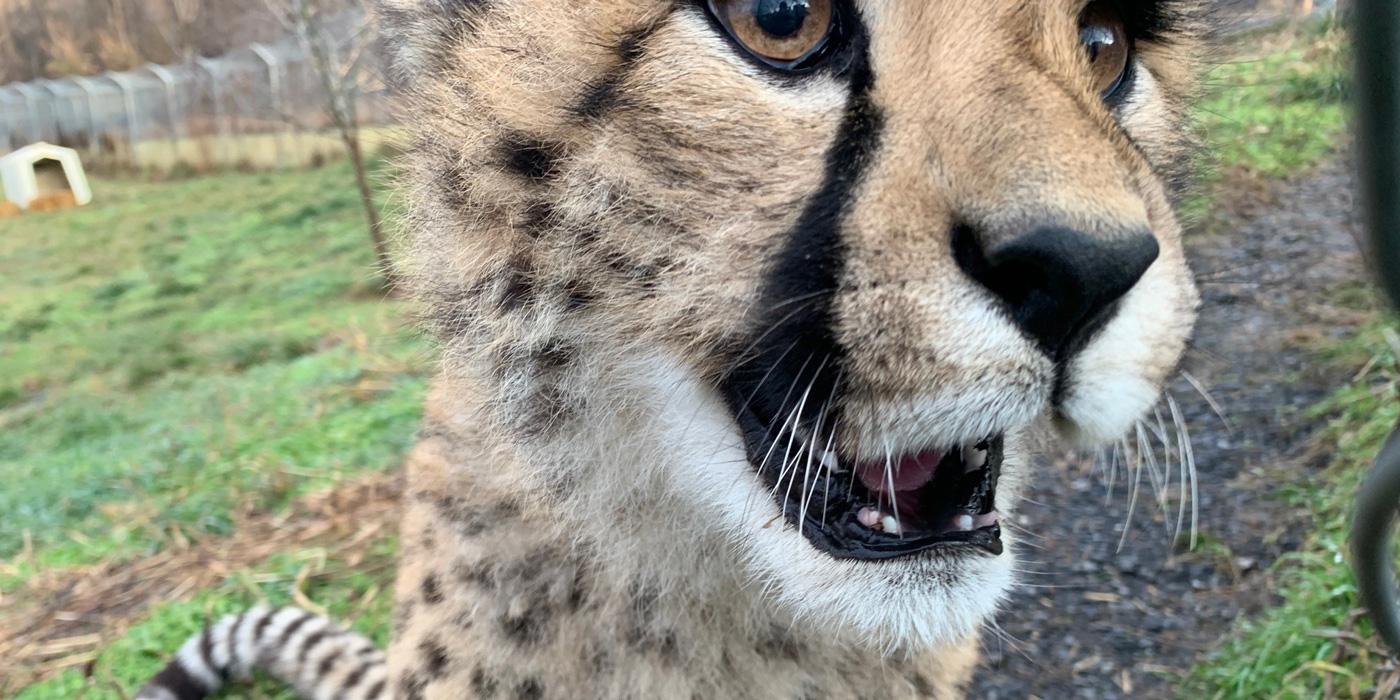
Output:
x=1060 y=285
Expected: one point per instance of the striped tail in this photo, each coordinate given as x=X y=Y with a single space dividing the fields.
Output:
x=308 y=652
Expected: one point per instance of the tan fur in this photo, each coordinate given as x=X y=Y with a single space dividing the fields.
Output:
x=590 y=230
x=522 y=609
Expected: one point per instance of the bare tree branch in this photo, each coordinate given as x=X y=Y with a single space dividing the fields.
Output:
x=338 y=60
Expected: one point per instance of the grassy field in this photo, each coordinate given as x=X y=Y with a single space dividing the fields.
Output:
x=184 y=348
x=1277 y=106
x=355 y=592
x=177 y=357
x=184 y=358
x=1272 y=107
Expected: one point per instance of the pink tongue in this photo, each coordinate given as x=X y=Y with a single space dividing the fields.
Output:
x=908 y=474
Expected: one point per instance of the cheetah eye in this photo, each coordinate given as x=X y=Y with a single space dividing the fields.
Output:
x=1104 y=34
x=790 y=35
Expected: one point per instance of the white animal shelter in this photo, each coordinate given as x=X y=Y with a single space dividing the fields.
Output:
x=42 y=170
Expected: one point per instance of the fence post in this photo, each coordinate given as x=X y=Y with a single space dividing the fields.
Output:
x=133 y=133
x=68 y=118
x=45 y=88
x=31 y=106
x=7 y=126
x=274 y=82
x=90 y=95
x=167 y=81
x=221 y=113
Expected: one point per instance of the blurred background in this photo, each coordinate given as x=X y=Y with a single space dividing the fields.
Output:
x=206 y=381
x=188 y=84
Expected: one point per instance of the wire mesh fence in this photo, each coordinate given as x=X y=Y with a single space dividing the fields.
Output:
x=260 y=106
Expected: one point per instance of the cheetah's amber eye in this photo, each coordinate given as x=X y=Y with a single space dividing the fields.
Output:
x=1104 y=34
x=785 y=34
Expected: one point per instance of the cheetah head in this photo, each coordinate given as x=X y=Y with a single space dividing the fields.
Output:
x=792 y=286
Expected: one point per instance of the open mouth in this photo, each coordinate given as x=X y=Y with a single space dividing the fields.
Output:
x=897 y=507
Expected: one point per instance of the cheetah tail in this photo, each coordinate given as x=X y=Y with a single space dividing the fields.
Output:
x=308 y=652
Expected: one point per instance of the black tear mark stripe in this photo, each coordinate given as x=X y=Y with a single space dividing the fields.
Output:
x=795 y=345
x=601 y=96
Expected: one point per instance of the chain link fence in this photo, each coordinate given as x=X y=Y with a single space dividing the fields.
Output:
x=263 y=106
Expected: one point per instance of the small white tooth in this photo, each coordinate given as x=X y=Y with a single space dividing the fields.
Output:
x=829 y=461
x=963 y=522
x=974 y=459
x=890 y=524
x=868 y=517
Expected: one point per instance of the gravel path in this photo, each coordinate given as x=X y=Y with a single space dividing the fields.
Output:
x=1100 y=622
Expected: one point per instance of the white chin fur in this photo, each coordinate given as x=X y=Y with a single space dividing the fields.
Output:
x=891 y=605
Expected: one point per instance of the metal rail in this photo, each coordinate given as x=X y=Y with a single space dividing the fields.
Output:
x=1377 y=30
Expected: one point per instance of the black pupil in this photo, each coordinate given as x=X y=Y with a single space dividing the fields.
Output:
x=781 y=18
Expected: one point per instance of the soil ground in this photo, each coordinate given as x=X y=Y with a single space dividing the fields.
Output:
x=1100 y=621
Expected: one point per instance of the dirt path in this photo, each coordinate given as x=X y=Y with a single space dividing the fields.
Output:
x=1108 y=623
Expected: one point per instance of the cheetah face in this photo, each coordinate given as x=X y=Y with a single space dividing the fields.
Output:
x=817 y=273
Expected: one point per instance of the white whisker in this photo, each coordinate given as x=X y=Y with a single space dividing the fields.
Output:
x=789 y=464
x=787 y=453
x=1006 y=639
x=1112 y=470
x=1170 y=458
x=1133 y=494
x=1188 y=463
x=894 y=499
x=1210 y=401
x=830 y=440
x=1160 y=476
x=811 y=487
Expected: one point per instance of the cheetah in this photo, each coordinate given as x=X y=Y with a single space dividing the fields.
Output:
x=752 y=314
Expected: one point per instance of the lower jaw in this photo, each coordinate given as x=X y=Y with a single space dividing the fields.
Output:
x=857 y=544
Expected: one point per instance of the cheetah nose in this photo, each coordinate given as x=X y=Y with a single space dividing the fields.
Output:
x=1059 y=285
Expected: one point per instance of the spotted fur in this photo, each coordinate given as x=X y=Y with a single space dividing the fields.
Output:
x=614 y=214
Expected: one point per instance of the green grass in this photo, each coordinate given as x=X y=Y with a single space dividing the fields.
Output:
x=1274 y=108
x=1276 y=113
x=178 y=351
x=359 y=593
x=1314 y=637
